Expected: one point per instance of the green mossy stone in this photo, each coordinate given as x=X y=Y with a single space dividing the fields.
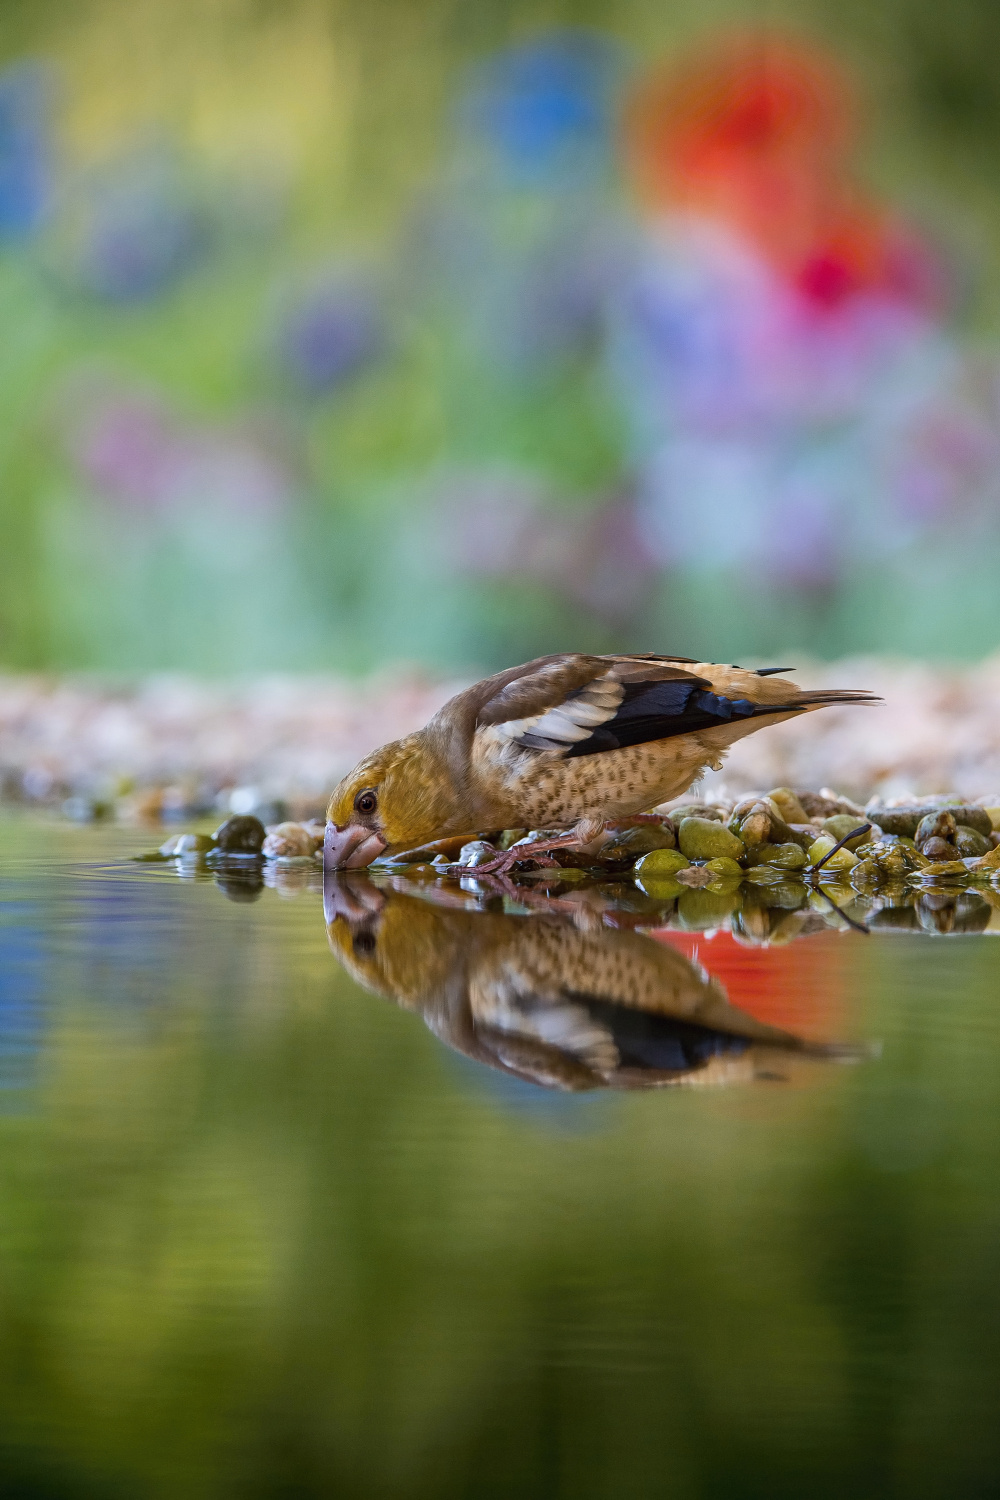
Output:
x=788 y=804
x=844 y=823
x=842 y=861
x=783 y=856
x=701 y=838
x=725 y=868
x=661 y=864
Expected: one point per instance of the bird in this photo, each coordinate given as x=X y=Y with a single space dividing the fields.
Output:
x=567 y=743
x=548 y=1002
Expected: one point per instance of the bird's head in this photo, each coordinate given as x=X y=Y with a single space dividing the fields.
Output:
x=396 y=798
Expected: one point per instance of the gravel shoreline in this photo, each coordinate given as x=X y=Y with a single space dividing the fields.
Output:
x=173 y=746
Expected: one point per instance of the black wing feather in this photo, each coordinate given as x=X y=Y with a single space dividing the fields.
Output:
x=659 y=710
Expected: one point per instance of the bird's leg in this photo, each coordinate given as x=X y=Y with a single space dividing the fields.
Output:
x=587 y=833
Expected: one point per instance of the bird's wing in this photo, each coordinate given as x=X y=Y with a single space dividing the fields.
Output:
x=583 y=705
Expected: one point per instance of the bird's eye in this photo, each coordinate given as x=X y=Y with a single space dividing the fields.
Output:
x=364 y=942
x=365 y=802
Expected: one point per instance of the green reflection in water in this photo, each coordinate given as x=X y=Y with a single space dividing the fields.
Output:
x=261 y=1236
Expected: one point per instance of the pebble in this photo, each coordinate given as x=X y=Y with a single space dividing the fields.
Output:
x=476 y=852
x=788 y=804
x=703 y=838
x=842 y=824
x=842 y=860
x=240 y=835
x=661 y=863
x=783 y=856
x=290 y=841
x=192 y=844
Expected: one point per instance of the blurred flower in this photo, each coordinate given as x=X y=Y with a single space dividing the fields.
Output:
x=135 y=227
x=132 y=450
x=329 y=333
x=543 y=110
x=25 y=165
x=501 y=527
x=755 y=133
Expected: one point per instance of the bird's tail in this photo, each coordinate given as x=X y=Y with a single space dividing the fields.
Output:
x=804 y=701
x=819 y=697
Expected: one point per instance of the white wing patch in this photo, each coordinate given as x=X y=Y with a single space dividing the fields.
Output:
x=566 y=723
x=508 y=1003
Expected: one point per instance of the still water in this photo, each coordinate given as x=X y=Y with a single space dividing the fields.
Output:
x=483 y=1203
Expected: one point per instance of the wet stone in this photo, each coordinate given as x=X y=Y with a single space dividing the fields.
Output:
x=788 y=805
x=289 y=841
x=661 y=864
x=823 y=847
x=192 y=845
x=783 y=856
x=701 y=838
x=240 y=835
x=633 y=842
x=476 y=852
x=841 y=824
x=970 y=843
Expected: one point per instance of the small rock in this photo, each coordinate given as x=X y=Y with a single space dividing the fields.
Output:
x=240 y=835
x=826 y=804
x=289 y=841
x=477 y=852
x=783 y=856
x=696 y=810
x=970 y=843
x=724 y=868
x=936 y=825
x=788 y=805
x=632 y=842
x=701 y=838
x=842 y=860
x=169 y=849
x=191 y=844
x=695 y=876
x=661 y=864
x=843 y=823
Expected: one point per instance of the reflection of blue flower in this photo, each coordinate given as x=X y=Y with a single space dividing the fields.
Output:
x=24 y=154
x=22 y=951
x=330 y=334
x=545 y=108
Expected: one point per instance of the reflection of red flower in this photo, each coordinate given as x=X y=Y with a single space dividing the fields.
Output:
x=756 y=133
x=800 y=986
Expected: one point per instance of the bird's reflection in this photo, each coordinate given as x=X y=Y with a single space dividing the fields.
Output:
x=550 y=1000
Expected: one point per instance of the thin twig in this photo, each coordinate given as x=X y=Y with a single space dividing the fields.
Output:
x=854 y=833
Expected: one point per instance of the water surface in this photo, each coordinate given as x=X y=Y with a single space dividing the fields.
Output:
x=284 y=1214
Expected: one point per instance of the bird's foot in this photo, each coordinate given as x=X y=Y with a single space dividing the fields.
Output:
x=537 y=850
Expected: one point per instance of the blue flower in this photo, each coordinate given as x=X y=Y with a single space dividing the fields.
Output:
x=545 y=108
x=25 y=165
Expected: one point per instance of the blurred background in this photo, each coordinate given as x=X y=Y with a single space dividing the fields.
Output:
x=339 y=333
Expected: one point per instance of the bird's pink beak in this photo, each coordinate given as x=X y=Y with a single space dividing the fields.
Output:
x=350 y=848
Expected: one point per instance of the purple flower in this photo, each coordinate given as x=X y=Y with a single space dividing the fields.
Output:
x=330 y=334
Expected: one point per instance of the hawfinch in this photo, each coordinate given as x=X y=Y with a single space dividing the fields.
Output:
x=564 y=742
